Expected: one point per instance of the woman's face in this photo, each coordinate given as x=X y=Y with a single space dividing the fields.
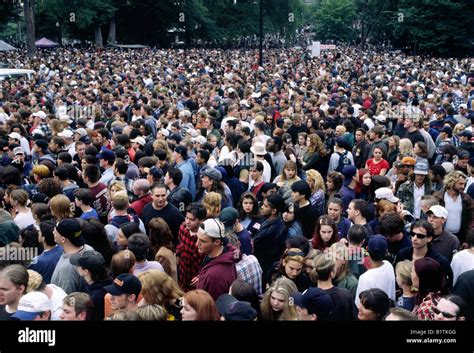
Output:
x=391 y=142
x=293 y=269
x=329 y=184
x=277 y=301
x=247 y=205
x=326 y=233
x=416 y=149
x=290 y=173
x=377 y=154
x=366 y=314
x=366 y=179
x=308 y=264
x=289 y=216
x=310 y=182
x=308 y=142
x=121 y=238
x=187 y=312
x=301 y=140
x=9 y=292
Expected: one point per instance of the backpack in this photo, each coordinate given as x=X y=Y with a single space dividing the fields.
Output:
x=343 y=161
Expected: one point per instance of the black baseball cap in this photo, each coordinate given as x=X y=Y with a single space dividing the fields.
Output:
x=125 y=283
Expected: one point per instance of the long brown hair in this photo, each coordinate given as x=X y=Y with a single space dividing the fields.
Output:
x=316 y=145
x=317 y=241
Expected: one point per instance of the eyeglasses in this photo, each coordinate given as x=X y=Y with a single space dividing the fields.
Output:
x=418 y=235
x=444 y=313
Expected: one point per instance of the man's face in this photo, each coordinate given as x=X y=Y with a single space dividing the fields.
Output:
x=206 y=182
x=460 y=185
x=80 y=150
x=69 y=314
x=266 y=210
x=192 y=223
x=359 y=136
x=446 y=311
x=436 y=222
x=408 y=123
x=205 y=243
x=420 y=240
x=159 y=197
x=296 y=197
x=352 y=212
x=118 y=302
x=462 y=163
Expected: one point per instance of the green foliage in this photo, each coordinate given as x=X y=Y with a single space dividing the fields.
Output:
x=334 y=20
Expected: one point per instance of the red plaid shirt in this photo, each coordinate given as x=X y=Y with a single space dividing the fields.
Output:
x=189 y=258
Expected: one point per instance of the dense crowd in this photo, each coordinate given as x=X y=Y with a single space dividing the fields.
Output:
x=196 y=185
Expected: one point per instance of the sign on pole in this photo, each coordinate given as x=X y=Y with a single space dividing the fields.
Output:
x=317 y=47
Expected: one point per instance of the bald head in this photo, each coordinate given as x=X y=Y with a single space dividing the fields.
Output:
x=141 y=187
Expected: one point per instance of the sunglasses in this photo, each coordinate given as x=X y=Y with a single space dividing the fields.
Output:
x=418 y=235
x=444 y=313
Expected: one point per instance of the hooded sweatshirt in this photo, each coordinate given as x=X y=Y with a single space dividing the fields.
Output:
x=218 y=274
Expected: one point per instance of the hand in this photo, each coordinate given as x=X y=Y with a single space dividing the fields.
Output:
x=194 y=281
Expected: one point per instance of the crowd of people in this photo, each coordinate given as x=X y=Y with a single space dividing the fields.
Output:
x=196 y=185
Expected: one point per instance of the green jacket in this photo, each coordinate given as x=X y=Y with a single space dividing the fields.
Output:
x=405 y=194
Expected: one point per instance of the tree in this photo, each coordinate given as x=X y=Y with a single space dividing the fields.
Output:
x=334 y=20
x=29 y=12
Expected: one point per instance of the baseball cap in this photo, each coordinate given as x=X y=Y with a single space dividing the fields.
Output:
x=66 y=133
x=175 y=137
x=86 y=139
x=422 y=168
x=156 y=172
x=386 y=194
x=140 y=140
x=212 y=173
x=349 y=171
x=125 y=283
x=377 y=246
x=200 y=139
x=41 y=114
x=235 y=310
x=164 y=132
x=447 y=129
x=108 y=155
x=117 y=129
x=463 y=154
x=228 y=216
x=15 y=135
x=31 y=305
x=71 y=229
x=213 y=227
x=465 y=133
x=408 y=161
x=89 y=260
x=65 y=119
x=81 y=131
x=438 y=211
x=18 y=150
x=316 y=301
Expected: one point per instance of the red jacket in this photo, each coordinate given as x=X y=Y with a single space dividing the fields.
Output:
x=217 y=275
x=140 y=204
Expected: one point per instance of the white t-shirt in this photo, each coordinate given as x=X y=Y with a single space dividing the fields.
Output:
x=454 y=208
x=56 y=301
x=23 y=220
x=382 y=277
x=462 y=261
x=418 y=192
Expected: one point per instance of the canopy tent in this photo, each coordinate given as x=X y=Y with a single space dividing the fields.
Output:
x=129 y=46
x=5 y=46
x=46 y=43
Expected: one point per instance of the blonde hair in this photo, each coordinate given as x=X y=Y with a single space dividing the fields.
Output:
x=405 y=147
x=316 y=145
x=159 y=288
x=341 y=253
x=152 y=312
x=293 y=254
x=34 y=281
x=41 y=170
x=212 y=202
x=283 y=286
x=323 y=265
x=118 y=185
x=403 y=270
x=60 y=207
x=457 y=128
x=163 y=145
x=318 y=180
x=452 y=178
x=120 y=200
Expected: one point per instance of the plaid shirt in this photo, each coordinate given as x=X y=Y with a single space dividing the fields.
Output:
x=249 y=270
x=424 y=311
x=45 y=129
x=128 y=185
x=189 y=258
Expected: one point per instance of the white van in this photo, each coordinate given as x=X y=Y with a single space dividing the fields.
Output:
x=16 y=73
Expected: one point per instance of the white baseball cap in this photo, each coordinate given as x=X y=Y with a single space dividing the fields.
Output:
x=15 y=135
x=140 y=140
x=31 y=305
x=438 y=211
x=386 y=194
x=66 y=134
x=41 y=114
x=214 y=228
